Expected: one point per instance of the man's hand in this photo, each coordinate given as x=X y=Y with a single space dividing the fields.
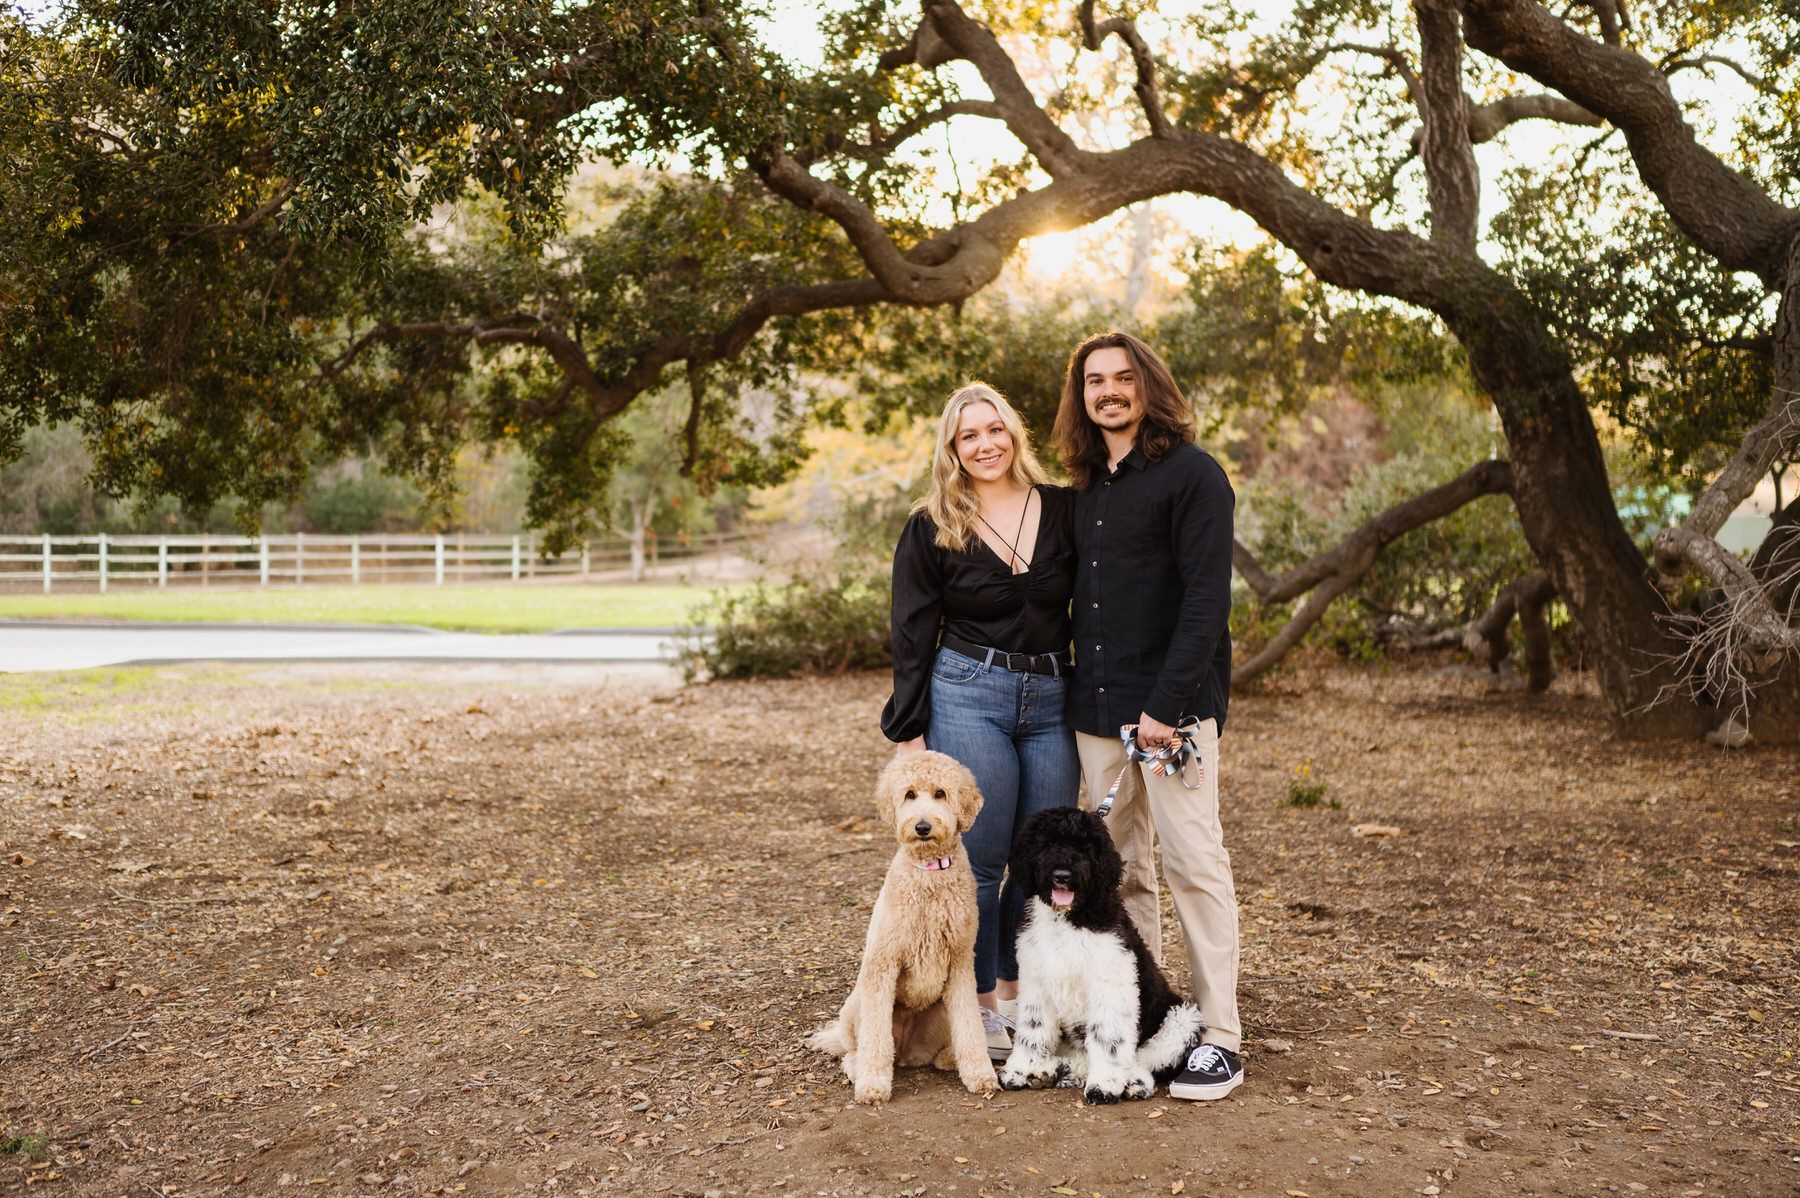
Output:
x=915 y=745
x=1152 y=733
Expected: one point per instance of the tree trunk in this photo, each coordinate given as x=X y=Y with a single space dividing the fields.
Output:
x=1567 y=511
x=640 y=519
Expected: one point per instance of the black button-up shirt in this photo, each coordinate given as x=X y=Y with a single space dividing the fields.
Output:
x=973 y=594
x=1152 y=593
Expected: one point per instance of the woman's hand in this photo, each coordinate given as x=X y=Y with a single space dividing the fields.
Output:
x=915 y=745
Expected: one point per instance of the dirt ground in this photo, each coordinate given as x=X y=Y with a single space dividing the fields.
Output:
x=341 y=929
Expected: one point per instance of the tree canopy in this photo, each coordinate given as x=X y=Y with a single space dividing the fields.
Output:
x=243 y=234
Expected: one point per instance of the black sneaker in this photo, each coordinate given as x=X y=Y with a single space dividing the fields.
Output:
x=1212 y=1072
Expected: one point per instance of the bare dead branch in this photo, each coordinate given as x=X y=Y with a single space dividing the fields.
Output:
x=1775 y=437
x=1756 y=624
x=1726 y=660
x=1093 y=35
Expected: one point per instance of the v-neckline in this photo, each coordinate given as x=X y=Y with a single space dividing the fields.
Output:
x=1036 y=540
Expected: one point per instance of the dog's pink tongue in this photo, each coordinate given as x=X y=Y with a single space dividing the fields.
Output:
x=1061 y=898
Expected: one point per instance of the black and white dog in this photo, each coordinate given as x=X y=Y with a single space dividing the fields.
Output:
x=1093 y=1005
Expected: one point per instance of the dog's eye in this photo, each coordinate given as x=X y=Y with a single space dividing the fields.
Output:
x=911 y=794
x=940 y=794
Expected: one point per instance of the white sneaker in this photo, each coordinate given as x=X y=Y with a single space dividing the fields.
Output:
x=999 y=1031
x=1009 y=1007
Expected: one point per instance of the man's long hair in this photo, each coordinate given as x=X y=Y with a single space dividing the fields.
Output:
x=951 y=501
x=1168 y=420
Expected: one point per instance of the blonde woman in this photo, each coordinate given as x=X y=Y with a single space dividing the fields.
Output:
x=982 y=578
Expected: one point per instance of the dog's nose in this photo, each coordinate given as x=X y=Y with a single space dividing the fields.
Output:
x=1061 y=878
x=923 y=828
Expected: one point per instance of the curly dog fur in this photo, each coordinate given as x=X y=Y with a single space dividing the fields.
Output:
x=914 y=1000
x=1093 y=1005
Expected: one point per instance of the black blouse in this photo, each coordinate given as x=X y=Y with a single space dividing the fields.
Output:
x=973 y=594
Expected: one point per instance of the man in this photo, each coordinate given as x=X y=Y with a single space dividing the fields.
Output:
x=1153 y=519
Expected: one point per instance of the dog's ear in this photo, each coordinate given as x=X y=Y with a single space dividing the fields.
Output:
x=1107 y=863
x=1021 y=865
x=887 y=791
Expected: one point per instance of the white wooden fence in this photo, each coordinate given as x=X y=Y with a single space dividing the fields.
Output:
x=306 y=559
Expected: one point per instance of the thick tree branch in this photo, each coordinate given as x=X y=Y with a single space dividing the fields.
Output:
x=1484 y=478
x=1309 y=614
x=1488 y=121
x=1054 y=149
x=1452 y=182
x=1328 y=575
x=1092 y=35
x=690 y=432
x=1723 y=212
x=1488 y=635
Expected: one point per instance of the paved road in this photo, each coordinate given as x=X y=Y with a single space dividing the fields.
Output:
x=60 y=645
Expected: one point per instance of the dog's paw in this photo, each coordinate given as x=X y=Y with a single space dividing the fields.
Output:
x=1013 y=1079
x=874 y=1091
x=1139 y=1086
x=1099 y=1096
x=981 y=1081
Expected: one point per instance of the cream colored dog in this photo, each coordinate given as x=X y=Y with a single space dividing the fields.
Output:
x=914 y=1000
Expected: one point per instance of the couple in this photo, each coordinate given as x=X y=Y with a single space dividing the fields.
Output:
x=984 y=578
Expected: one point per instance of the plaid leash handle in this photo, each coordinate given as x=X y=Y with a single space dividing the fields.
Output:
x=1167 y=761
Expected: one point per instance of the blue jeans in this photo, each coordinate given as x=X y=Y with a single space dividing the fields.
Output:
x=1008 y=729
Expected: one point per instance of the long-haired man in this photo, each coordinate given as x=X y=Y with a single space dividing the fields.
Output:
x=1153 y=527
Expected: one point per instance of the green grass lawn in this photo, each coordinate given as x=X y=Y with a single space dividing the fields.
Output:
x=470 y=608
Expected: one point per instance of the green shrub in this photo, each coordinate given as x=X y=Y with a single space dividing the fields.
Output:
x=824 y=621
x=33 y=1146
x=1306 y=789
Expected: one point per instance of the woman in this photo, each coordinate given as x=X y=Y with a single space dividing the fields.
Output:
x=982 y=579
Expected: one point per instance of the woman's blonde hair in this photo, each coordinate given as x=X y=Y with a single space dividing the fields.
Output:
x=951 y=501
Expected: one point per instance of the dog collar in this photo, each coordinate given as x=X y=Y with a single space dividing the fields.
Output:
x=940 y=863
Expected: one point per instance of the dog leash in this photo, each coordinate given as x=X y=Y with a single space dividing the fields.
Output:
x=1165 y=761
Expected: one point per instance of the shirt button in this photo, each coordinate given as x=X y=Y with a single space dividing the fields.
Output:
x=1102 y=691
x=1094 y=564
x=1096 y=605
x=1096 y=648
x=1098 y=523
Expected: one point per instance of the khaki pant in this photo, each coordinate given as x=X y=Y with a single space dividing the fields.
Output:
x=1150 y=808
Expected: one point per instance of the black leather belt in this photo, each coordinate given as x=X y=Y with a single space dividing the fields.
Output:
x=1054 y=664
